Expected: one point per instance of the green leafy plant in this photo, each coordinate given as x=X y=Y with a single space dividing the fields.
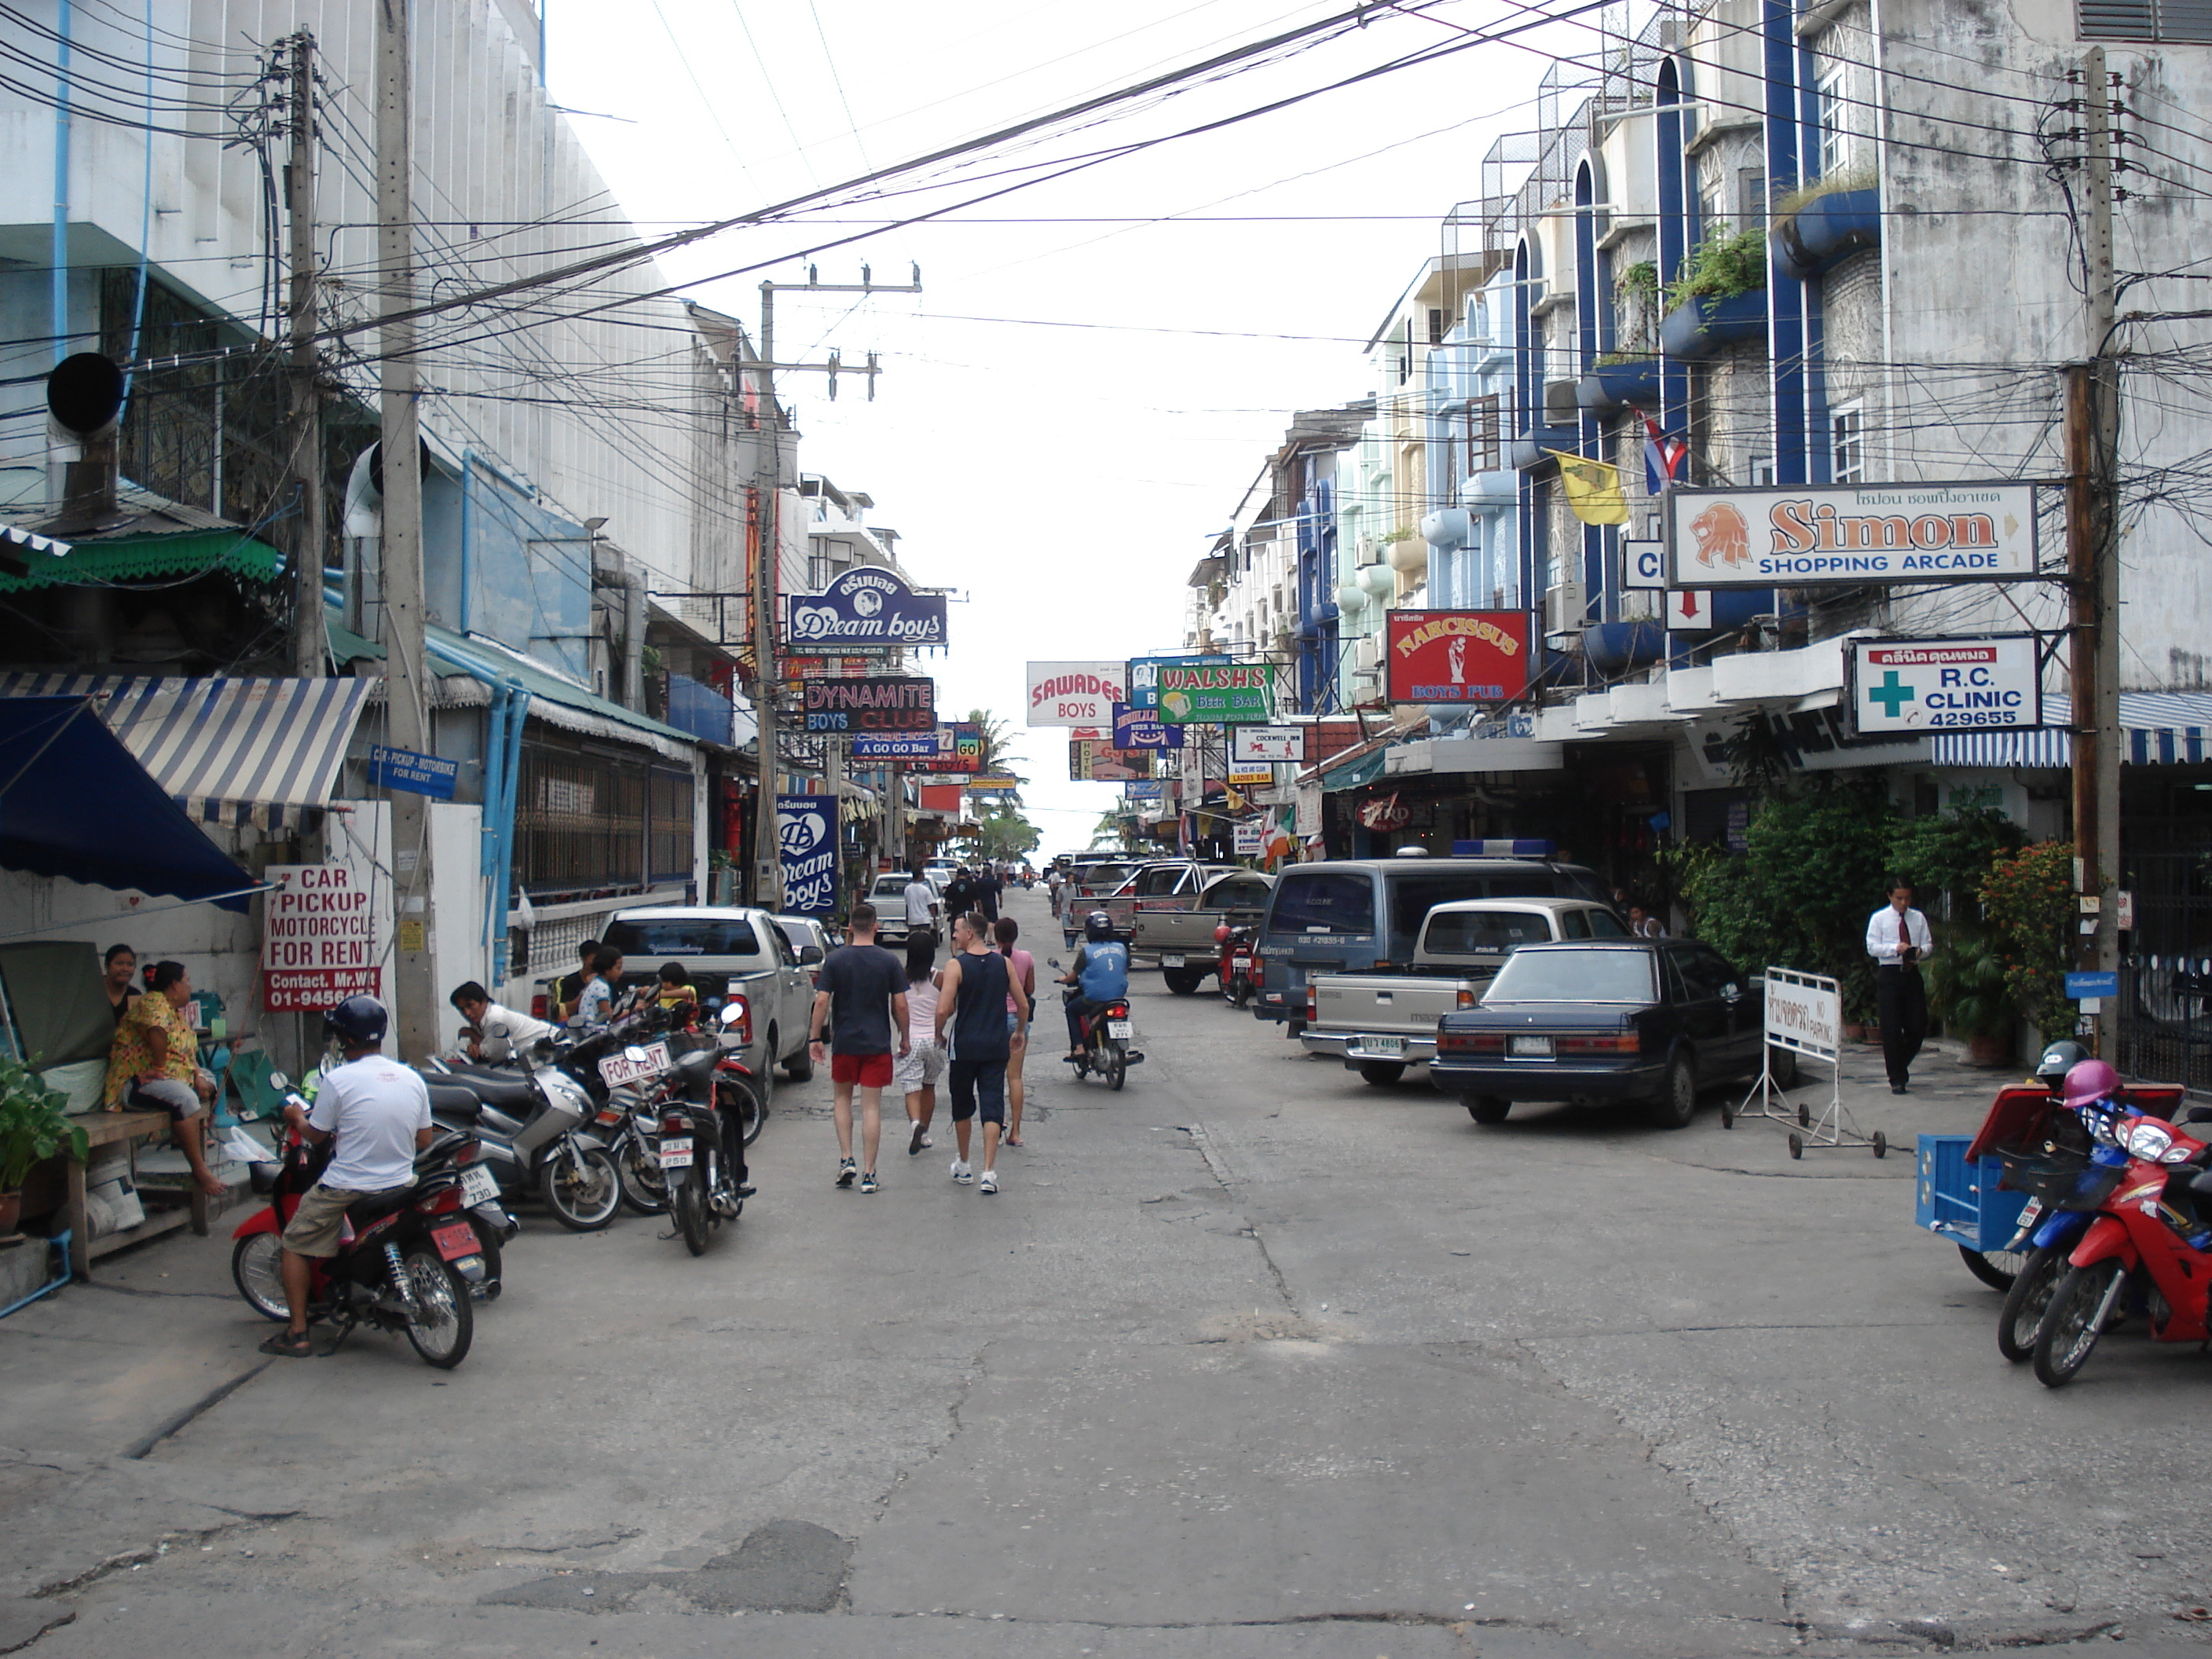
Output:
x=1967 y=986
x=33 y=1126
x=1638 y=280
x=1947 y=855
x=2028 y=898
x=1863 y=175
x=1615 y=359
x=1721 y=267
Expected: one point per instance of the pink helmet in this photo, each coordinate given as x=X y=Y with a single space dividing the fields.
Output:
x=2089 y=1082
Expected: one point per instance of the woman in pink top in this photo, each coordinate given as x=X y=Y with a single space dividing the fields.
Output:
x=1021 y=968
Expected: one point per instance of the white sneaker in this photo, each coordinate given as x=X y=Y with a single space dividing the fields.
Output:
x=961 y=1173
x=989 y=1184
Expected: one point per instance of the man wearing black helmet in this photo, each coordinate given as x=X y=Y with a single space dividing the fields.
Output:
x=380 y=1113
x=1099 y=975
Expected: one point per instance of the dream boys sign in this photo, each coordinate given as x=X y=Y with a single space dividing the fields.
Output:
x=807 y=837
x=867 y=608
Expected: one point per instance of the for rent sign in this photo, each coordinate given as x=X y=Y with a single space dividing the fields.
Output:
x=1806 y=535
x=321 y=939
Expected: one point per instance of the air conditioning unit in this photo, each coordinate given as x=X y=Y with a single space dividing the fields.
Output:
x=1561 y=407
x=1565 y=608
x=1367 y=655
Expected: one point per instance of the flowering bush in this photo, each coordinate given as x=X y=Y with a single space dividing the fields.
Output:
x=2028 y=899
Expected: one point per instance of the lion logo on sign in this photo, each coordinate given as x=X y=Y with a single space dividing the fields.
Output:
x=1722 y=536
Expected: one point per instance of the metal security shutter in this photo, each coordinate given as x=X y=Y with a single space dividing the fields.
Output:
x=2146 y=20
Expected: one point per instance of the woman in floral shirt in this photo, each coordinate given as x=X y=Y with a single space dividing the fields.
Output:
x=154 y=1065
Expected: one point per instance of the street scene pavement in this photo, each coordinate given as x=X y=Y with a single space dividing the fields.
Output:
x=1249 y=1358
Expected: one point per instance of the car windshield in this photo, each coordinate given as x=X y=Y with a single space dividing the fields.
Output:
x=1572 y=976
x=1324 y=902
x=1483 y=933
x=891 y=887
x=702 y=936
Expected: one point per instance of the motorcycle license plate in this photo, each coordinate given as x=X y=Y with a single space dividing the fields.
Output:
x=676 y=1152
x=455 y=1240
x=1383 y=1045
x=2029 y=1212
x=1172 y=962
x=1240 y=964
x=1530 y=1047
x=1119 y=1030
x=618 y=1068
x=478 y=1186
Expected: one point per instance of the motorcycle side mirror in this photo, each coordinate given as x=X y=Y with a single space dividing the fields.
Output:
x=2197 y=1115
x=1052 y=962
x=634 y=1055
x=1221 y=935
x=499 y=1031
x=279 y=1082
x=730 y=1015
x=575 y=1022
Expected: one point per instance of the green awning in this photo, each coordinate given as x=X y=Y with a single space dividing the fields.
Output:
x=346 y=646
x=1352 y=774
x=126 y=558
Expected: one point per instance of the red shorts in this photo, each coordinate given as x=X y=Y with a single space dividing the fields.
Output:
x=869 y=1071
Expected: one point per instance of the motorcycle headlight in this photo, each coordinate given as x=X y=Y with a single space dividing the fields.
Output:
x=2147 y=1140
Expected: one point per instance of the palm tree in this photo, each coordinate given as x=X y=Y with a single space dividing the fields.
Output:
x=999 y=756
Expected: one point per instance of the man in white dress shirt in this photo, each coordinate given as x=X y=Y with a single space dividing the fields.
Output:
x=1899 y=941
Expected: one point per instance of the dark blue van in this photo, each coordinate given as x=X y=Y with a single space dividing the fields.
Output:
x=1362 y=915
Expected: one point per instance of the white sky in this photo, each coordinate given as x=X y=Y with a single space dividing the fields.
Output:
x=1066 y=480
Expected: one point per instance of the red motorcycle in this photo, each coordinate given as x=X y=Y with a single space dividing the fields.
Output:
x=1237 y=968
x=405 y=1262
x=2154 y=1226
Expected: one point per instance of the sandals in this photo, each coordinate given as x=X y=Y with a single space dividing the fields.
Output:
x=289 y=1345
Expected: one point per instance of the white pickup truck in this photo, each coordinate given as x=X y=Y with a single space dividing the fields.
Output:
x=1381 y=1023
x=1182 y=940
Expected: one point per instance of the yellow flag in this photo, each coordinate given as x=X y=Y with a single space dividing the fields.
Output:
x=1593 y=490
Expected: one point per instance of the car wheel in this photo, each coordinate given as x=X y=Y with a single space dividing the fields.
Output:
x=1486 y=1108
x=1184 y=980
x=1781 y=1067
x=1381 y=1073
x=1678 y=1102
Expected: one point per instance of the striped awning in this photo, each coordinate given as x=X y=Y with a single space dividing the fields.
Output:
x=2158 y=728
x=238 y=753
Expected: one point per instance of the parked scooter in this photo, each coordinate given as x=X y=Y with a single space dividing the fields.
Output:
x=1234 y=968
x=532 y=1126
x=701 y=1150
x=407 y=1262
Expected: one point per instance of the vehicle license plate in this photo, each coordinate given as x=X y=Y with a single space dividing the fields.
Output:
x=1120 y=1030
x=1172 y=962
x=455 y=1240
x=618 y=1068
x=676 y=1152
x=1530 y=1047
x=478 y=1186
x=1240 y=964
x=1381 y=1045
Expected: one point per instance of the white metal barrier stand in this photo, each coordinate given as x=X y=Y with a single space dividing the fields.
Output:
x=1804 y=1015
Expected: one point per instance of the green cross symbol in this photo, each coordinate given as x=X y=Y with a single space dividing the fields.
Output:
x=1891 y=694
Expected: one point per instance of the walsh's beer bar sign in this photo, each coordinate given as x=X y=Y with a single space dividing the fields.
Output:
x=1848 y=535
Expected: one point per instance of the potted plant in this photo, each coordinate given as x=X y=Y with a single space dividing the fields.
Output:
x=1719 y=295
x=1820 y=224
x=33 y=1127
x=1966 y=988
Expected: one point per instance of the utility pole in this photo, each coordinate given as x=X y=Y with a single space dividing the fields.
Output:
x=2092 y=421
x=768 y=484
x=309 y=637
x=406 y=703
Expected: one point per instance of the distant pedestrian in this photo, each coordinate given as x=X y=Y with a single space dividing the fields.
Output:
x=861 y=1003
x=1899 y=941
x=922 y=1067
x=960 y=893
x=989 y=885
x=673 y=987
x=1022 y=967
x=1644 y=925
x=920 y=899
x=971 y=1004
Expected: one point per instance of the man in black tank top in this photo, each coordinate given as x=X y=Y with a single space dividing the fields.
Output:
x=972 y=1006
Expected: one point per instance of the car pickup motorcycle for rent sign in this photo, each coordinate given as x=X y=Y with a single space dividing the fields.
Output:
x=1849 y=535
x=323 y=936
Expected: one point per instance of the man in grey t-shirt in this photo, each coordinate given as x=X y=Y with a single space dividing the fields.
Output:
x=861 y=998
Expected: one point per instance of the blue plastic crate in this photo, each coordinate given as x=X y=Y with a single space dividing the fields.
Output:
x=1962 y=1201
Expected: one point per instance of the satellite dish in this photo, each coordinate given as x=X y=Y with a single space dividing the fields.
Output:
x=84 y=393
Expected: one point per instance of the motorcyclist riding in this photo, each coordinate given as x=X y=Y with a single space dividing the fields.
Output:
x=1100 y=976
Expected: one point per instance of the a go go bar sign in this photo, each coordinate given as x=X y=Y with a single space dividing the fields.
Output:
x=1848 y=535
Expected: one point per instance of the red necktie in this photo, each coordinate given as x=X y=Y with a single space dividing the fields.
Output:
x=1904 y=936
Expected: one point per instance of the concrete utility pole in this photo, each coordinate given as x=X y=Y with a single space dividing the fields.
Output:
x=768 y=484
x=2093 y=423
x=310 y=639
x=406 y=693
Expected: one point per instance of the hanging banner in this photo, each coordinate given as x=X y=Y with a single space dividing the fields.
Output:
x=1458 y=656
x=1925 y=685
x=1266 y=745
x=865 y=609
x=1142 y=728
x=1144 y=793
x=1145 y=674
x=1075 y=693
x=1247 y=839
x=879 y=704
x=1812 y=535
x=806 y=830
x=997 y=781
x=321 y=940
x=931 y=746
x=1101 y=762
x=1216 y=693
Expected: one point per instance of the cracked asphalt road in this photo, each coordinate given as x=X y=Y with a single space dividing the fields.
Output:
x=1249 y=1359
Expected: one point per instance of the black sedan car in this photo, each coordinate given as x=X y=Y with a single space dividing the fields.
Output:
x=1598 y=1021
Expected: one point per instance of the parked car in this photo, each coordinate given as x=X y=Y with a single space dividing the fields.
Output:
x=731 y=951
x=811 y=940
x=1379 y=1023
x=1182 y=940
x=1647 y=1021
x=1166 y=885
x=888 y=897
x=1362 y=915
x=1087 y=885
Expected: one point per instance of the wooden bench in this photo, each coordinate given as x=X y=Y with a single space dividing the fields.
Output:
x=106 y=1129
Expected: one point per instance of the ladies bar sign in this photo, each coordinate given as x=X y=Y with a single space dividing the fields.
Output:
x=1458 y=656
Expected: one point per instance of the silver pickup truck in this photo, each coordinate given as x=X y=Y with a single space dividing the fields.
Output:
x=1182 y=940
x=1381 y=1023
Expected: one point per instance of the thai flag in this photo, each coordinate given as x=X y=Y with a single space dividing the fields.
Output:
x=1662 y=457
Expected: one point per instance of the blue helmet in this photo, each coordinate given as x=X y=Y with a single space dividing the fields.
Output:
x=361 y=1021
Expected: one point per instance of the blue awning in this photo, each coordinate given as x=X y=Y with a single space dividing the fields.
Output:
x=74 y=802
x=2157 y=728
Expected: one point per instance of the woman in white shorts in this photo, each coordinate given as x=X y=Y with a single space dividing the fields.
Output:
x=922 y=1067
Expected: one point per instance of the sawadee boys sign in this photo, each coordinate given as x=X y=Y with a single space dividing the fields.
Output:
x=1849 y=535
